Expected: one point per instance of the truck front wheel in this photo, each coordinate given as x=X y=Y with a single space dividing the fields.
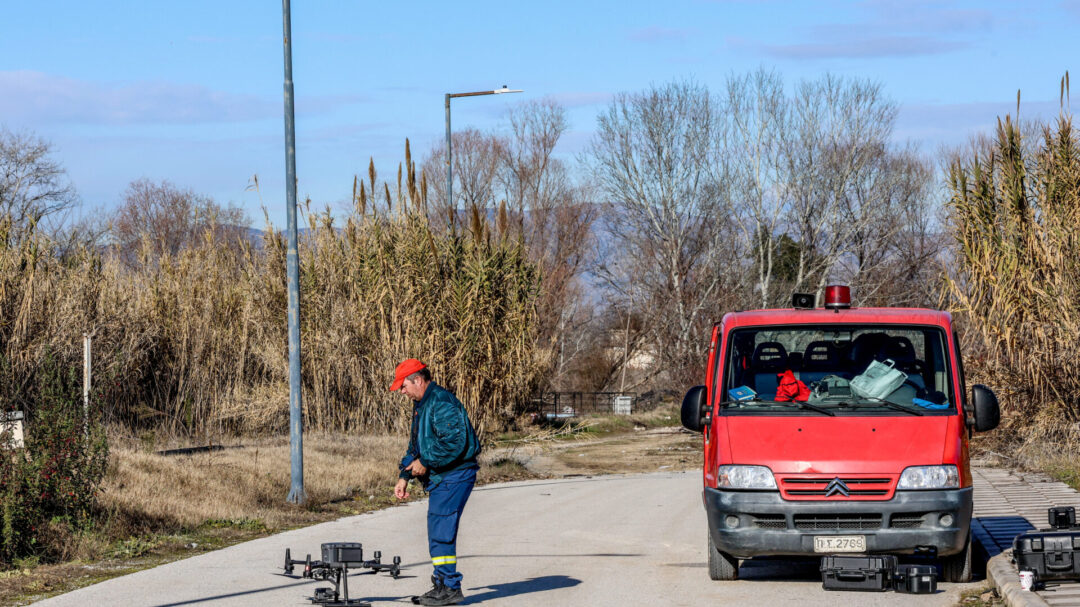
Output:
x=957 y=568
x=722 y=566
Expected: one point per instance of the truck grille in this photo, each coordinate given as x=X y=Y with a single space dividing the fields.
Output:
x=816 y=488
x=770 y=521
x=820 y=522
x=908 y=520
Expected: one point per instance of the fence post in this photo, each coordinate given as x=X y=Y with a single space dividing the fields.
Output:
x=86 y=385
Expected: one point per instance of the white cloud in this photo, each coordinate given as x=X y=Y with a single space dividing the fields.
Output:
x=886 y=28
x=885 y=46
x=38 y=98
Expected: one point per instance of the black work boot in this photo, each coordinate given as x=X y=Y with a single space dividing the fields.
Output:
x=437 y=590
x=448 y=597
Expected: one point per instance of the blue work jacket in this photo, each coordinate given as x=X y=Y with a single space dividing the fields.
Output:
x=441 y=437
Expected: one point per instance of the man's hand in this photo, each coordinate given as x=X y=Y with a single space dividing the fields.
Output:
x=400 y=489
x=416 y=468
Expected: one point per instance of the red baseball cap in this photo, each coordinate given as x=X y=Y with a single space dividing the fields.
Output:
x=406 y=368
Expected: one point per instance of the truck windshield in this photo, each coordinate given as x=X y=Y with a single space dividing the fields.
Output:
x=843 y=370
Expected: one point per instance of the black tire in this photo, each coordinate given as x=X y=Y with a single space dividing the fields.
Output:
x=722 y=566
x=957 y=568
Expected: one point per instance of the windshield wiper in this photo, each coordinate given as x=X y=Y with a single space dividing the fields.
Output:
x=801 y=404
x=805 y=405
x=885 y=403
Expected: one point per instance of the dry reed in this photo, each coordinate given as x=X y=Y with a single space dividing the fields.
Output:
x=1015 y=211
x=195 y=342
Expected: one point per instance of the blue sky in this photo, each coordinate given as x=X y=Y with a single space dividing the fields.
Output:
x=192 y=91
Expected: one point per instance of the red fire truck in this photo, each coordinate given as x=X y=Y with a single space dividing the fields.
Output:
x=868 y=455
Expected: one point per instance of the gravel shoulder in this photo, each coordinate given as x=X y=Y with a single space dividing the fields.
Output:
x=635 y=452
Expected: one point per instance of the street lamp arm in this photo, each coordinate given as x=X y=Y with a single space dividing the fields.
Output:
x=478 y=93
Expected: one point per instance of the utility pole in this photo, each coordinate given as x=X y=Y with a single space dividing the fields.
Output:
x=292 y=262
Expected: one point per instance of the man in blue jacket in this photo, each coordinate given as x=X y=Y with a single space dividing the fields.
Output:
x=442 y=455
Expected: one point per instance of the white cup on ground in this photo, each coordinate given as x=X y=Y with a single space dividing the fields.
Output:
x=1027 y=579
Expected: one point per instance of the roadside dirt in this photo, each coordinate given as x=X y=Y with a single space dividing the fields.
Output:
x=669 y=448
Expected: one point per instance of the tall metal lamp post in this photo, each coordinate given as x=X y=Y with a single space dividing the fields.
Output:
x=449 y=164
x=292 y=263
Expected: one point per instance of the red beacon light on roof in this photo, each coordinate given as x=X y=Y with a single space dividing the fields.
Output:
x=837 y=297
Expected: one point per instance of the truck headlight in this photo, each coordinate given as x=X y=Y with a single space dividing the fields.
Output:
x=929 y=477
x=745 y=477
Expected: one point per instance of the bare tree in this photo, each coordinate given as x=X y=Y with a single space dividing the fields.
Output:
x=842 y=180
x=892 y=243
x=34 y=188
x=84 y=229
x=822 y=192
x=168 y=218
x=477 y=157
x=718 y=203
x=531 y=176
x=555 y=220
x=757 y=117
x=656 y=159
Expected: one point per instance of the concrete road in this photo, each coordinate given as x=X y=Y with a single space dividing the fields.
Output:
x=612 y=540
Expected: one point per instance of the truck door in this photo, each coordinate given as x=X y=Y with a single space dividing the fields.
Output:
x=712 y=372
x=963 y=430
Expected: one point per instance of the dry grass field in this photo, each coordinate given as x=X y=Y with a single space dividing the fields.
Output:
x=246 y=480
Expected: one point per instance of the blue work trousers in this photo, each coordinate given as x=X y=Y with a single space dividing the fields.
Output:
x=445 y=504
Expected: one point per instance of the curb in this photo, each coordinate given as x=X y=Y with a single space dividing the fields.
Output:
x=1006 y=579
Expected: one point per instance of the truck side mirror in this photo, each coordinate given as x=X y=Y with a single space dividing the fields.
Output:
x=693 y=409
x=987 y=411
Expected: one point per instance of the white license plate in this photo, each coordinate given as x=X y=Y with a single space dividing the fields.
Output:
x=839 y=543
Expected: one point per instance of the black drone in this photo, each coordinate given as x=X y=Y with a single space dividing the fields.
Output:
x=337 y=559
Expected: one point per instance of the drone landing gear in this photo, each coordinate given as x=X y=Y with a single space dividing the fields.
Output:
x=326 y=597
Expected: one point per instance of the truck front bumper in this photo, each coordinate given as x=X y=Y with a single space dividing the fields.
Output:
x=766 y=524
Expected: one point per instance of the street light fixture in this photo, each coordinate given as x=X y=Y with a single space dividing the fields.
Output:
x=449 y=165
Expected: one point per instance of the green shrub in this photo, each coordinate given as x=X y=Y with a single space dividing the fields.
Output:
x=49 y=487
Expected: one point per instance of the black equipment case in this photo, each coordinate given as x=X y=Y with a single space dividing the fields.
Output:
x=915 y=579
x=1062 y=517
x=1052 y=555
x=857 y=572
